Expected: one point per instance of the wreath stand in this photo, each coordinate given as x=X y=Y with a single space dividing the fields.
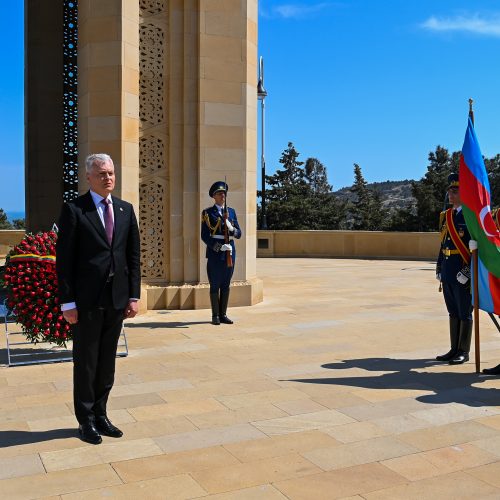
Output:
x=33 y=355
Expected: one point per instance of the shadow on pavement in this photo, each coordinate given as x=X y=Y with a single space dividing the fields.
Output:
x=18 y=438
x=448 y=387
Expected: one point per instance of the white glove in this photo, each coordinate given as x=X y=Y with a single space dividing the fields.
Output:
x=462 y=278
x=227 y=248
x=229 y=226
x=438 y=276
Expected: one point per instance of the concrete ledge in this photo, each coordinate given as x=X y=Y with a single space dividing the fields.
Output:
x=8 y=239
x=348 y=244
x=243 y=293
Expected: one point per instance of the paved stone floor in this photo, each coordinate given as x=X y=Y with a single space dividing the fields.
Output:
x=328 y=389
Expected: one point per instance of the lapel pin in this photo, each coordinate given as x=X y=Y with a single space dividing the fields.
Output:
x=121 y=209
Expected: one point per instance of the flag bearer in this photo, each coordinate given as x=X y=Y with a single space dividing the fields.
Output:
x=453 y=272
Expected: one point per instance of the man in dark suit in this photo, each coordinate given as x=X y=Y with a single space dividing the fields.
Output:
x=98 y=269
x=215 y=221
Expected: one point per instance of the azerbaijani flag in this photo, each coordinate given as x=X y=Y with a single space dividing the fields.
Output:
x=476 y=204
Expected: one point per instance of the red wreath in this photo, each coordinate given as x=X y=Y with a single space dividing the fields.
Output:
x=31 y=282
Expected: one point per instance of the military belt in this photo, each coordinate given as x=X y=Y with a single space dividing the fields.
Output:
x=447 y=252
x=221 y=237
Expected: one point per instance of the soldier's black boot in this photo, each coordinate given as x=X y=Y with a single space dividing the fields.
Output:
x=454 y=336
x=214 y=302
x=463 y=343
x=224 y=299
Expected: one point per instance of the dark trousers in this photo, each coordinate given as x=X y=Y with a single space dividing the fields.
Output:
x=95 y=341
x=458 y=300
x=219 y=275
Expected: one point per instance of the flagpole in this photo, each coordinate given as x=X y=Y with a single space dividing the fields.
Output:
x=475 y=263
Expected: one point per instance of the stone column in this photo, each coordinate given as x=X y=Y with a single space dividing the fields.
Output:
x=43 y=112
x=108 y=85
x=228 y=122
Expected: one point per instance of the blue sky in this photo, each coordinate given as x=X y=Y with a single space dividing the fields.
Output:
x=376 y=82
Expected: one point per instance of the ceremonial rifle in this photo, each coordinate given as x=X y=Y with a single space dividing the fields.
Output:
x=229 y=257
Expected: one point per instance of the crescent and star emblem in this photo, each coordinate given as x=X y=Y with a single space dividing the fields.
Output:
x=489 y=221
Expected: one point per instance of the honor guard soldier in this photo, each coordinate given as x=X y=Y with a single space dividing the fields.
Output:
x=219 y=227
x=453 y=272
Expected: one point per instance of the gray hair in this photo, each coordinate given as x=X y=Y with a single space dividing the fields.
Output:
x=96 y=159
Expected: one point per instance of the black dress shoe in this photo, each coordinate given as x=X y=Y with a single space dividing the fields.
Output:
x=492 y=371
x=215 y=320
x=106 y=428
x=446 y=357
x=460 y=358
x=89 y=433
x=226 y=320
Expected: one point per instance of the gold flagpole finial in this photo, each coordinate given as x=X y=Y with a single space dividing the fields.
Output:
x=471 y=112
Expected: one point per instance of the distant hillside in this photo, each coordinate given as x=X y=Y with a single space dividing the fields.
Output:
x=394 y=194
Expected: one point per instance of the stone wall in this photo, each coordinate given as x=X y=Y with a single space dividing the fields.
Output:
x=348 y=244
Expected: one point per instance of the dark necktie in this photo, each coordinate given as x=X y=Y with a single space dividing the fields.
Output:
x=108 y=219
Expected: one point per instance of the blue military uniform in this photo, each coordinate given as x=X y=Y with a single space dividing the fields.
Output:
x=219 y=273
x=453 y=270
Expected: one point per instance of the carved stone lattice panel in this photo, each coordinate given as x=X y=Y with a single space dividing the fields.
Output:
x=151 y=193
x=151 y=7
x=151 y=79
x=152 y=156
x=70 y=100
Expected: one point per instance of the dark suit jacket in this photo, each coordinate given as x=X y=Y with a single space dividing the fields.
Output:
x=84 y=257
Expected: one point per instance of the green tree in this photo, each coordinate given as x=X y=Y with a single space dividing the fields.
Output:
x=361 y=206
x=4 y=222
x=19 y=224
x=493 y=169
x=300 y=198
x=430 y=191
x=317 y=177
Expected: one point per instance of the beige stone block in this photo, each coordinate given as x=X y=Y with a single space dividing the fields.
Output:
x=130 y=157
x=97 y=8
x=459 y=457
x=173 y=463
x=240 y=476
x=300 y=423
x=299 y=407
x=226 y=115
x=224 y=23
x=130 y=129
x=261 y=492
x=208 y=437
x=362 y=452
x=155 y=428
x=131 y=12
x=60 y=482
x=22 y=465
x=223 y=48
x=222 y=71
x=130 y=80
x=93 y=455
x=100 y=29
x=131 y=56
x=447 y=435
x=104 y=103
x=105 y=78
x=176 y=487
x=104 y=54
x=357 y=431
x=232 y=6
x=340 y=484
x=488 y=473
x=457 y=485
x=130 y=105
x=251 y=399
x=222 y=137
x=252 y=31
x=413 y=467
x=130 y=30
x=299 y=442
x=104 y=128
x=154 y=412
